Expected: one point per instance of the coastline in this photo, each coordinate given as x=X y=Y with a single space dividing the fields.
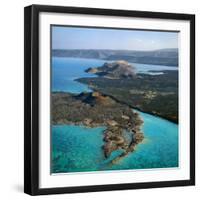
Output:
x=118 y=118
x=132 y=107
x=136 y=108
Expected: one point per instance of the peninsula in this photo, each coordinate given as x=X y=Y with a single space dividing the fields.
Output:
x=95 y=109
x=154 y=94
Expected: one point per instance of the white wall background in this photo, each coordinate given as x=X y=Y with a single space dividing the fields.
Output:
x=11 y=100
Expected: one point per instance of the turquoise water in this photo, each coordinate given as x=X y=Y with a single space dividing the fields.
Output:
x=76 y=148
x=65 y=70
x=159 y=148
x=79 y=149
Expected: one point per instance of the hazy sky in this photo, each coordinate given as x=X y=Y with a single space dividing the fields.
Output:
x=95 y=38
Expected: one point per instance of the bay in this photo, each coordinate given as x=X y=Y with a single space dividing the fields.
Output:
x=66 y=70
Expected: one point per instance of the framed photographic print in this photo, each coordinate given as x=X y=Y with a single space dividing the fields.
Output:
x=109 y=100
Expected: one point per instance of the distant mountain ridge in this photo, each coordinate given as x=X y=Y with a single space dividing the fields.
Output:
x=167 y=57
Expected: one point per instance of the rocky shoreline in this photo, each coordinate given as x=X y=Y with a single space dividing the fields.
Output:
x=95 y=109
x=114 y=140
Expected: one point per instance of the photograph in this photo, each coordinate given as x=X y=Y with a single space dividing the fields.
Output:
x=114 y=99
x=109 y=99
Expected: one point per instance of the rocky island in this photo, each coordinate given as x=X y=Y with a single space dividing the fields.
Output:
x=95 y=109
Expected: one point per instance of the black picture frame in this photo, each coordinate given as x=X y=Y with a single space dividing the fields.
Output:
x=31 y=99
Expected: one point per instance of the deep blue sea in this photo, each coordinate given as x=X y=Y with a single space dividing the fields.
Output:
x=66 y=70
x=79 y=149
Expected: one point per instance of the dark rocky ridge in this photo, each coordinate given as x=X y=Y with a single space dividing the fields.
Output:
x=167 y=57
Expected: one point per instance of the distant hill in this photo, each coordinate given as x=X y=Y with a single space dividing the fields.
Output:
x=167 y=57
x=114 y=70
